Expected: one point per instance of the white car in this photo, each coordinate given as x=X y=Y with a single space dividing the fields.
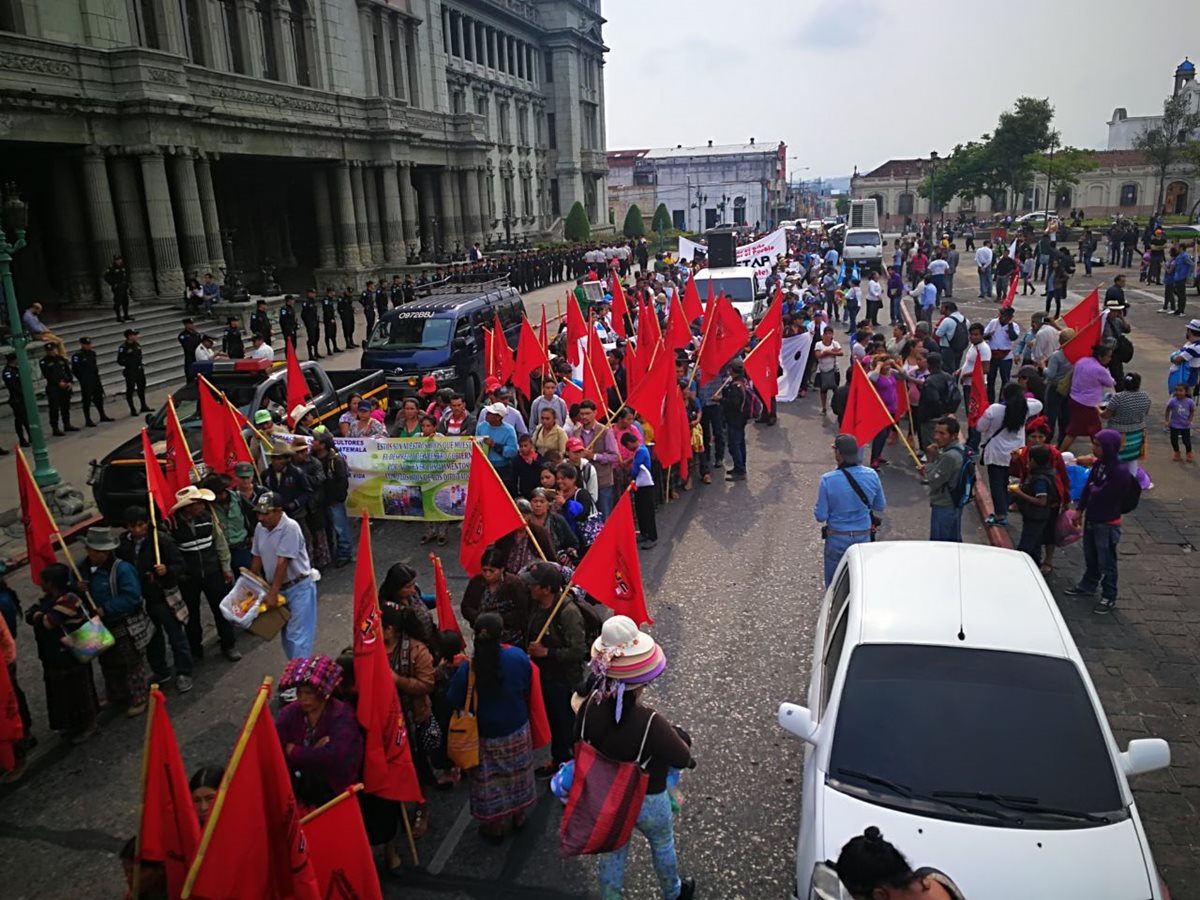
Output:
x=949 y=706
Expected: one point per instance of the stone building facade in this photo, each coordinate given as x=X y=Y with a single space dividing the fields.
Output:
x=329 y=140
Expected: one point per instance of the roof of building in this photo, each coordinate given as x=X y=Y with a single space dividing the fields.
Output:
x=714 y=150
x=619 y=158
x=1186 y=66
x=918 y=168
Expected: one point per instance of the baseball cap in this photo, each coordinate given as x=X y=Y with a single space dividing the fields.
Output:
x=363 y=406
x=85 y=340
x=495 y=409
x=543 y=574
x=575 y=444
x=428 y=384
x=243 y=470
x=262 y=417
x=268 y=502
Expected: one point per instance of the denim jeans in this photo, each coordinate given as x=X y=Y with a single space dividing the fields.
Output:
x=836 y=546
x=657 y=822
x=736 y=435
x=1100 y=558
x=339 y=524
x=852 y=316
x=985 y=282
x=168 y=629
x=1001 y=369
x=945 y=523
x=712 y=423
x=894 y=312
x=301 y=630
x=1032 y=533
x=998 y=485
x=606 y=500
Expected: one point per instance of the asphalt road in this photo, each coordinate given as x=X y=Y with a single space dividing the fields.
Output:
x=733 y=586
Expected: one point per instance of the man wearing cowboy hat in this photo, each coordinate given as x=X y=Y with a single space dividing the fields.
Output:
x=280 y=557
x=207 y=567
x=305 y=418
x=117 y=590
x=285 y=479
x=1114 y=331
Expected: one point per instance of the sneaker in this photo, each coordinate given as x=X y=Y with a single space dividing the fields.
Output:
x=687 y=888
x=1177 y=457
x=1104 y=607
x=183 y=683
x=1078 y=591
x=231 y=653
x=1163 y=310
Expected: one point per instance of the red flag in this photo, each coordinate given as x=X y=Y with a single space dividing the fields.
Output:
x=35 y=516
x=338 y=848
x=653 y=330
x=12 y=729
x=499 y=354
x=253 y=845
x=1079 y=315
x=647 y=396
x=387 y=760
x=599 y=360
x=446 y=620
x=620 y=309
x=762 y=363
x=544 y=337
x=691 y=300
x=866 y=415
x=593 y=387
x=178 y=466
x=221 y=446
x=977 y=401
x=571 y=393
x=539 y=722
x=1012 y=290
x=169 y=832
x=673 y=439
x=577 y=328
x=611 y=571
x=635 y=363
x=298 y=393
x=902 y=402
x=725 y=335
x=1085 y=339
x=490 y=512
x=530 y=357
x=156 y=482
x=678 y=333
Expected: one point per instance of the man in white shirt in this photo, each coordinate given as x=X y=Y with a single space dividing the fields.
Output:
x=262 y=350
x=874 y=299
x=1045 y=339
x=983 y=262
x=206 y=352
x=938 y=267
x=1001 y=333
x=977 y=349
x=280 y=557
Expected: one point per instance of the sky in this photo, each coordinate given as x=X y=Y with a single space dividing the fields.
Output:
x=848 y=83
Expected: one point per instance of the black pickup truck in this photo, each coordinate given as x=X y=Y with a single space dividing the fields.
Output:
x=119 y=479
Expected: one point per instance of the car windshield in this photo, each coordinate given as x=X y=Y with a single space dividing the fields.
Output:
x=738 y=290
x=1012 y=733
x=863 y=239
x=187 y=402
x=411 y=331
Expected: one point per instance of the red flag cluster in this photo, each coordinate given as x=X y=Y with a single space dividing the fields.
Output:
x=35 y=516
x=168 y=831
x=725 y=334
x=222 y=445
x=866 y=414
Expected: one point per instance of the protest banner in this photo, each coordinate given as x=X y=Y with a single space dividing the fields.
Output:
x=759 y=255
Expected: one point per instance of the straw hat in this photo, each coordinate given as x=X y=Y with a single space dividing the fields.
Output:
x=300 y=411
x=189 y=495
x=625 y=653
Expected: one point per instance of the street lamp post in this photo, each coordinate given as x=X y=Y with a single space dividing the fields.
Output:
x=14 y=221
x=933 y=160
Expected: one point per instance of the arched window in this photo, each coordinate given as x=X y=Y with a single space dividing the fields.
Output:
x=739 y=210
x=905 y=205
x=1175 y=203
x=1063 y=198
x=299 y=29
x=233 y=36
x=266 y=25
x=878 y=203
x=1129 y=195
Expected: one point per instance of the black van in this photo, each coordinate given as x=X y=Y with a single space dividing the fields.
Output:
x=441 y=334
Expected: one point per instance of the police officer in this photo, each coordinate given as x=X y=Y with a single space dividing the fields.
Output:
x=381 y=299
x=367 y=300
x=57 y=372
x=116 y=277
x=396 y=291
x=329 y=309
x=288 y=326
x=16 y=399
x=345 y=308
x=129 y=358
x=410 y=289
x=260 y=321
x=189 y=340
x=310 y=315
x=86 y=369
x=231 y=339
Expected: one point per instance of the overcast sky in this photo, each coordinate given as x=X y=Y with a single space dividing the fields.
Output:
x=851 y=82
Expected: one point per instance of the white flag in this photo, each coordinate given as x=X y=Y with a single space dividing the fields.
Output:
x=793 y=359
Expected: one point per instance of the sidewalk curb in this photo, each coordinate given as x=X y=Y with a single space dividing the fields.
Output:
x=997 y=534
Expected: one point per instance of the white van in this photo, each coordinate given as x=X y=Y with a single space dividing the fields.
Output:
x=738 y=283
x=863 y=247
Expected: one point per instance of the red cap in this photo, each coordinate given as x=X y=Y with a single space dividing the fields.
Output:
x=575 y=444
x=491 y=384
x=428 y=385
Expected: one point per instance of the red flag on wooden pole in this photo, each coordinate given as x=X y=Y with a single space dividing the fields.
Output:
x=499 y=354
x=35 y=516
x=647 y=396
x=12 y=729
x=530 y=357
x=673 y=439
x=620 y=308
x=298 y=393
x=977 y=400
x=337 y=845
x=678 y=334
x=724 y=336
x=387 y=759
x=866 y=415
x=577 y=329
x=446 y=620
x=1012 y=290
x=611 y=571
x=1079 y=315
x=692 y=307
x=156 y=483
x=1085 y=339
x=485 y=492
x=179 y=465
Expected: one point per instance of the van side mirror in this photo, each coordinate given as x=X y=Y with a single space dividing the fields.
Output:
x=460 y=343
x=1145 y=755
x=798 y=720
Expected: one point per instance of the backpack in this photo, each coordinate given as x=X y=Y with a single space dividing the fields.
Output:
x=958 y=340
x=592 y=623
x=954 y=398
x=1124 y=349
x=964 y=492
x=752 y=405
x=1133 y=494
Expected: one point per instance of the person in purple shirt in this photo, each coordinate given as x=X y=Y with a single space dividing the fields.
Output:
x=1100 y=505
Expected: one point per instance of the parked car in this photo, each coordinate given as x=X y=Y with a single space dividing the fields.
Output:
x=118 y=479
x=957 y=716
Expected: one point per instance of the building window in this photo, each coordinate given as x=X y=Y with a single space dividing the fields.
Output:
x=1063 y=198
x=539 y=129
x=878 y=203
x=555 y=198
x=523 y=125
x=146 y=21
x=1129 y=195
x=739 y=210
x=480 y=44
x=11 y=17
x=548 y=63
x=458 y=102
x=270 y=67
x=481 y=108
x=468 y=29
x=455 y=46
x=905 y=205
x=506 y=185
x=527 y=195
x=679 y=219
x=505 y=125
x=195 y=31
x=300 y=42
x=233 y=36
x=552 y=130
x=643 y=178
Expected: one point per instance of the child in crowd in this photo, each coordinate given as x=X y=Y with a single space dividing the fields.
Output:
x=1180 y=413
x=1037 y=498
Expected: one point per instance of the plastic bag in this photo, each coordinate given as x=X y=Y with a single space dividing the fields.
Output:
x=244 y=601
x=1066 y=528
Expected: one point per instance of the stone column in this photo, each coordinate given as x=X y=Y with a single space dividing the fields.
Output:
x=361 y=226
x=393 y=249
x=457 y=19
x=102 y=218
x=134 y=243
x=73 y=264
x=208 y=210
x=451 y=210
x=285 y=46
x=427 y=210
x=347 y=227
x=193 y=247
x=367 y=44
x=408 y=210
x=383 y=54
x=326 y=248
x=163 y=245
x=485 y=203
x=371 y=198
x=472 y=220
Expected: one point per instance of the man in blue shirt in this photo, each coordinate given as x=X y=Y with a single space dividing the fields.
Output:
x=928 y=299
x=1185 y=268
x=844 y=510
x=499 y=438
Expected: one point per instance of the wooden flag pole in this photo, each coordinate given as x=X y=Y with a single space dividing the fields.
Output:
x=895 y=424
x=183 y=437
x=347 y=793
x=234 y=760
x=708 y=317
x=408 y=832
x=528 y=530
x=554 y=612
x=137 y=835
x=154 y=531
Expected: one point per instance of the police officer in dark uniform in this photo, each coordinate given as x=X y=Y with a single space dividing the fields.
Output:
x=231 y=339
x=329 y=308
x=16 y=399
x=129 y=358
x=410 y=289
x=189 y=340
x=86 y=369
x=310 y=315
x=260 y=321
x=396 y=292
x=288 y=326
x=345 y=308
x=57 y=372
x=367 y=301
x=116 y=277
x=381 y=299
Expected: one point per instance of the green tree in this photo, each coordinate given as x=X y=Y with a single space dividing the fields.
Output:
x=1061 y=167
x=968 y=172
x=1021 y=132
x=634 y=227
x=1166 y=144
x=843 y=205
x=662 y=219
x=577 y=227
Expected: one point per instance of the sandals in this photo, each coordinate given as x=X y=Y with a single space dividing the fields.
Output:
x=420 y=822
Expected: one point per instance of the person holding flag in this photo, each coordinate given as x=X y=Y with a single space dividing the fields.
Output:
x=848 y=501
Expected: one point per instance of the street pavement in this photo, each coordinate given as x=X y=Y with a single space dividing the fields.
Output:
x=734 y=586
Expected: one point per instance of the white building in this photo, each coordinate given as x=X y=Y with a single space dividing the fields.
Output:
x=1124 y=129
x=702 y=187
